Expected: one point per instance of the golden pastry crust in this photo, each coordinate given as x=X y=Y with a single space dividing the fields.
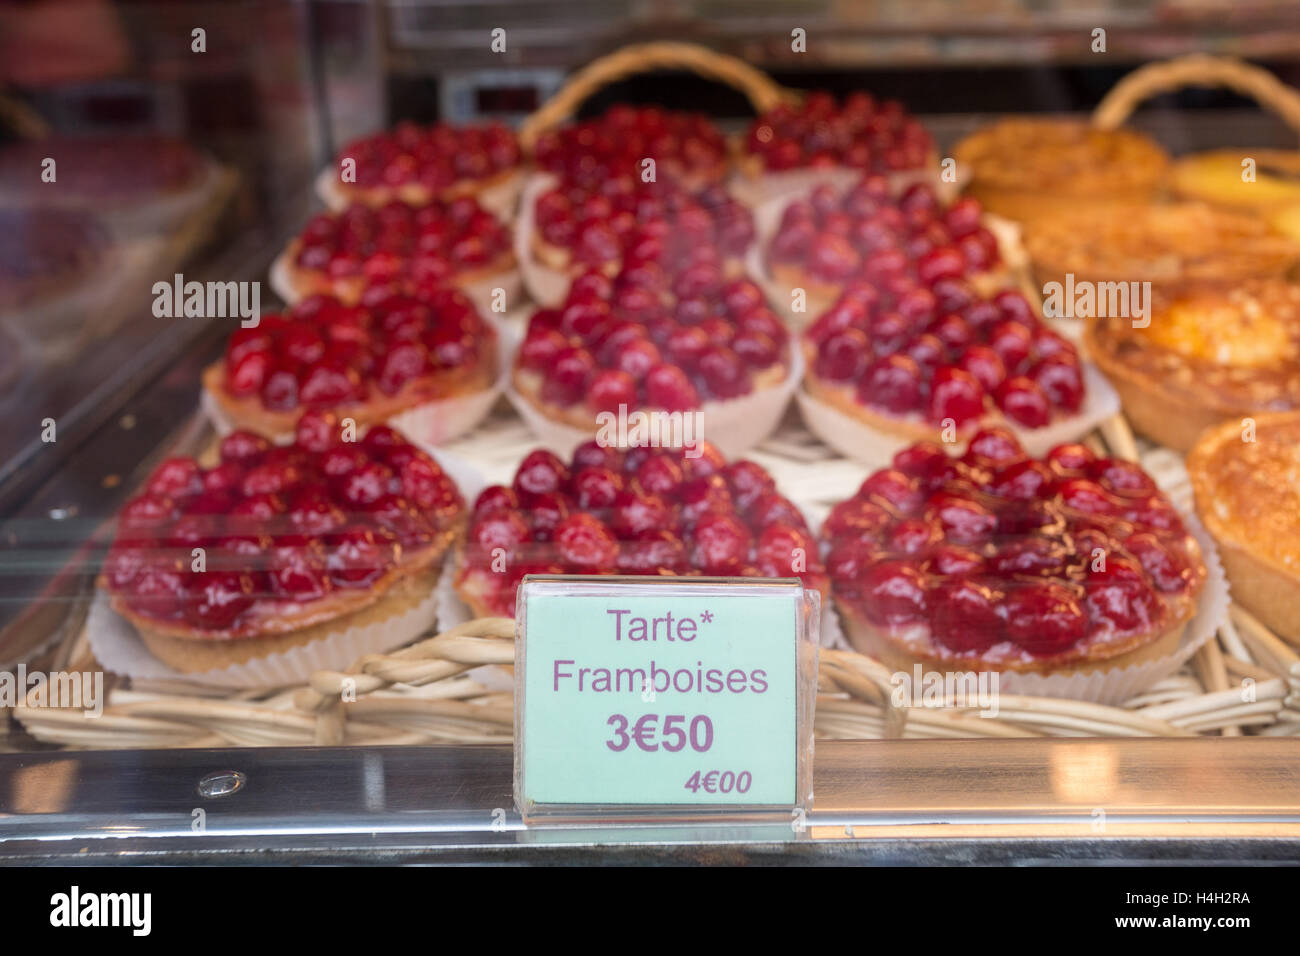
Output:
x=1209 y=353
x=249 y=413
x=901 y=654
x=1169 y=246
x=1248 y=497
x=1024 y=168
x=305 y=282
x=192 y=654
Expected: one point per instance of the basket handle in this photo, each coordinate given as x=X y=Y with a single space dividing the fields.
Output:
x=1197 y=70
x=761 y=90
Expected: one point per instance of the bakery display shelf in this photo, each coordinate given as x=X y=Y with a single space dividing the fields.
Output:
x=425 y=693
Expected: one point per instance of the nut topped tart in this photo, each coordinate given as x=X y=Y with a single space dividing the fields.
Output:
x=655 y=511
x=896 y=243
x=1030 y=168
x=436 y=243
x=651 y=339
x=1167 y=245
x=1247 y=489
x=859 y=133
x=686 y=147
x=416 y=164
x=390 y=353
x=623 y=221
x=905 y=365
x=299 y=542
x=998 y=561
x=1208 y=353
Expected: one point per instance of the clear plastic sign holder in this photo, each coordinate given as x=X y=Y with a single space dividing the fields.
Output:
x=645 y=699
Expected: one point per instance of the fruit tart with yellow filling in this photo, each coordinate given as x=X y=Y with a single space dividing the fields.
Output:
x=1208 y=354
x=998 y=561
x=299 y=543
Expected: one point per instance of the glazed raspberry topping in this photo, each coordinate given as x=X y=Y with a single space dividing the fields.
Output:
x=324 y=354
x=897 y=243
x=996 y=547
x=944 y=352
x=616 y=144
x=653 y=339
x=625 y=221
x=860 y=133
x=436 y=157
x=639 y=511
x=278 y=525
x=396 y=242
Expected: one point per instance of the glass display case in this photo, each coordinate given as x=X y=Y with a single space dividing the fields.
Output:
x=322 y=324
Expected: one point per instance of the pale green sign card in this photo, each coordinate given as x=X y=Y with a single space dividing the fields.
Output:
x=660 y=696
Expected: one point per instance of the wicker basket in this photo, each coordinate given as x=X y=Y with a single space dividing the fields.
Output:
x=1245 y=681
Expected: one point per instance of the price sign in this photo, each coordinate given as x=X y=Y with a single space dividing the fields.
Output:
x=668 y=693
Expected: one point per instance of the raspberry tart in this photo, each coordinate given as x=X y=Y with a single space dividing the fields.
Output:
x=455 y=243
x=635 y=511
x=392 y=354
x=866 y=234
x=1029 y=169
x=935 y=363
x=819 y=135
x=996 y=561
x=416 y=164
x=623 y=221
x=1247 y=490
x=654 y=340
x=1208 y=354
x=686 y=147
x=299 y=543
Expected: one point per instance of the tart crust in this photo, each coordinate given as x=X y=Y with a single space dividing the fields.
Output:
x=1171 y=398
x=305 y=282
x=249 y=412
x=1027 y=168
x=1248 y=497
x=877 y=642
x=194 y=654
x=1169 y=246
x=843 y=399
